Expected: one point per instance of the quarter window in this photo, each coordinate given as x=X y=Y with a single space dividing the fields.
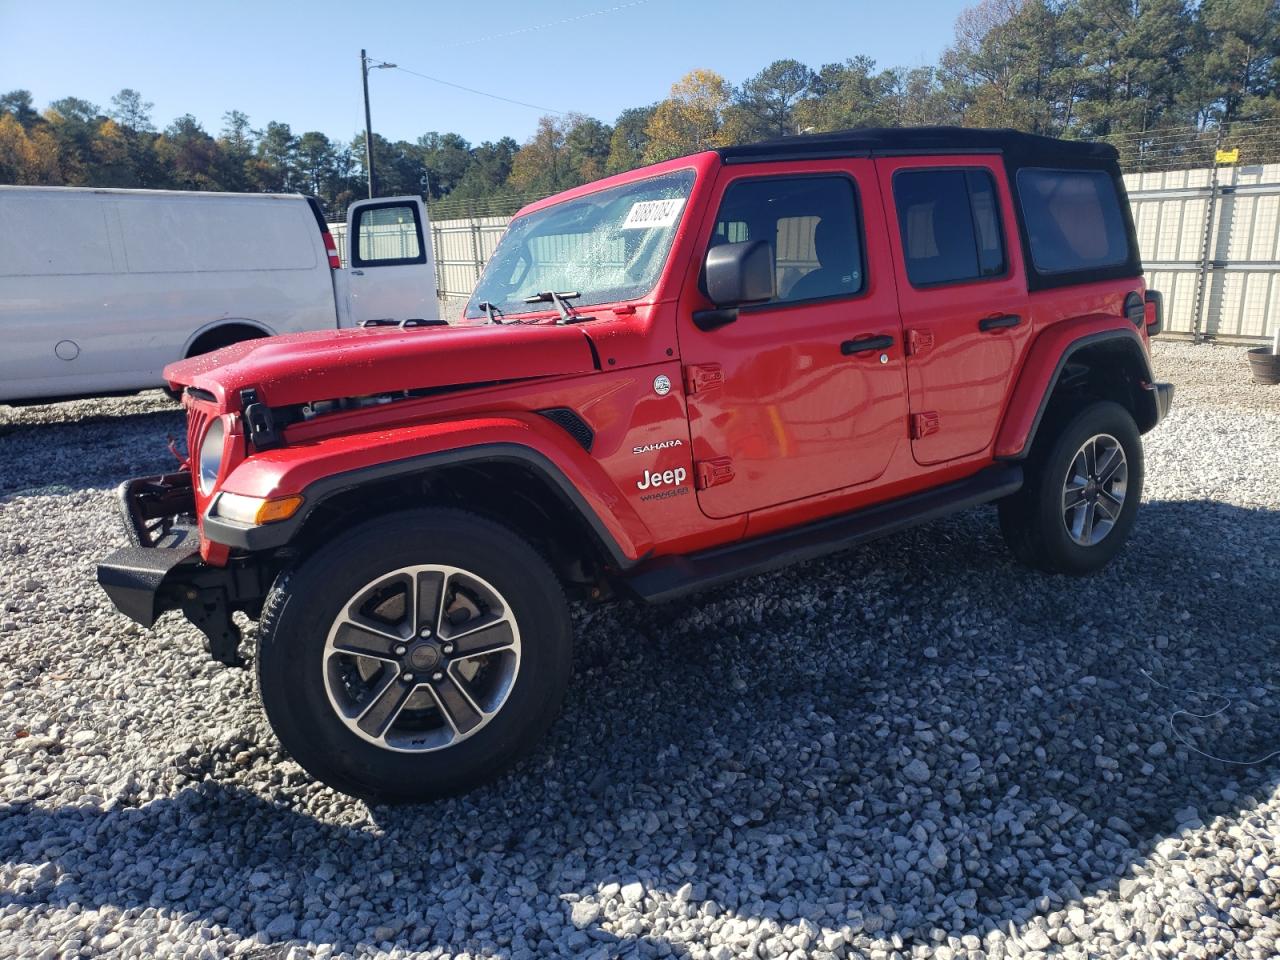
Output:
x=950 y=224
x=1073 y=218
x=813 y=226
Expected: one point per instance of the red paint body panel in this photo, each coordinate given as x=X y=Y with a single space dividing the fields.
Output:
x=796 y=416
x=1037 y=373
x=324 y=364
x=963 y=376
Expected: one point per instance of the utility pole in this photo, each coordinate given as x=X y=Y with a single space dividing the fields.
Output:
x=368 y=123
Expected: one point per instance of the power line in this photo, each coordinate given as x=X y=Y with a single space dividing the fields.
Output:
x=481 y=93
x=545 y=26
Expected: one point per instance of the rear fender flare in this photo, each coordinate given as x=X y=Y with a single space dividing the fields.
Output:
x=1044 y=366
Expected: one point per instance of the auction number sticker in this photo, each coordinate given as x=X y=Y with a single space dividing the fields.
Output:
x=648 y=214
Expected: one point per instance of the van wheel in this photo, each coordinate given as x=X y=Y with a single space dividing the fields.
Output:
x=1080 y=497
x=415 y=656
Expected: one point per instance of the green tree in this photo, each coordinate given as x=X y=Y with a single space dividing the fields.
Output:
x=692 y=118
x=629 y=139
x=769 y=99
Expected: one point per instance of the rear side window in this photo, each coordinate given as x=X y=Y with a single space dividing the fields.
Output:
x=813 y=226
x=1073 y=219
x=950 y=223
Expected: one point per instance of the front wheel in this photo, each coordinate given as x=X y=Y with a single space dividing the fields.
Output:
x=415 y=656
x=1080 y=498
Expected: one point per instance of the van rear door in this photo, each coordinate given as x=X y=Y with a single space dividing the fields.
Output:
x=391 y=272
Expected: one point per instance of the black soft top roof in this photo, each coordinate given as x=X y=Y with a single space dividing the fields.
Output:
x=1019 y=148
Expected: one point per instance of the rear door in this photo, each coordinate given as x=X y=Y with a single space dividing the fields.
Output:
x=963 y=296
x=804 y=394
x=391 y=273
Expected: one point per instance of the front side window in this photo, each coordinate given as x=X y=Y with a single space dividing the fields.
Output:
x=950 y=225
x=1073 y=218
x=608 y=246
x=811 y=223
x=388 y=234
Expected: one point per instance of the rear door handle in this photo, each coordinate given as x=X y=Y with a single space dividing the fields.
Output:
x=866 y=345
x=999 y=323
x=357 y=273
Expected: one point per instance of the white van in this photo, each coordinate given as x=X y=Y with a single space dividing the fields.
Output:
x=100 y=289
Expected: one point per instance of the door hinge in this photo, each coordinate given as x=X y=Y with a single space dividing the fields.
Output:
x=701 y=377
x=919 y=341
x=923 y=424
x=712 y=473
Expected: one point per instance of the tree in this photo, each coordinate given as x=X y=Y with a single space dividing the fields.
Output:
x=689 y=120
x=587 y=147
x=629 y=139
x=314 y=156
x=189 y=154
x=18 y=103
x=488 y=171
x=770 y=97
x=132 y=112
x=446 y=157
x=844 y=95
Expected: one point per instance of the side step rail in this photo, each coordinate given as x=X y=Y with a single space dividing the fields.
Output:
x=666 y=578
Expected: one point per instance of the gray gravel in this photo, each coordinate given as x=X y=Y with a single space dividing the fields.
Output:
x=914 y=750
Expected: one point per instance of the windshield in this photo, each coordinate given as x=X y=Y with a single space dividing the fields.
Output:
x=608 y=246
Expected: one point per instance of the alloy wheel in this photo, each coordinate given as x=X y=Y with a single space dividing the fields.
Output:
x=1093 y=492
x=422 y=658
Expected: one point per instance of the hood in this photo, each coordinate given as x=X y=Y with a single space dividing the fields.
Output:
x=330 y=364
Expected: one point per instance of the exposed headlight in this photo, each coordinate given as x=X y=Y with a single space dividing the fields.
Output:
x=255 y=510
x=210 y=460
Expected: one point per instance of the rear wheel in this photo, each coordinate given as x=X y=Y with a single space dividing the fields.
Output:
x=1080 y=497
x=415 y=656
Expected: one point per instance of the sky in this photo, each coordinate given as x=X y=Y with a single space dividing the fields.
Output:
x=299 y=62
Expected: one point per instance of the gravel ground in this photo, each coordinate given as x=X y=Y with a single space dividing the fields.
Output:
x=914 y=750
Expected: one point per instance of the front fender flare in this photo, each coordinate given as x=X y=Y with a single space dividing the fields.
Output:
x=324 y=469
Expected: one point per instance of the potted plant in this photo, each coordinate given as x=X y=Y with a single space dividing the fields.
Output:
x=1265 y=361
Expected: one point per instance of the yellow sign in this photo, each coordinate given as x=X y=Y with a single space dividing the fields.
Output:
x=1227 y=156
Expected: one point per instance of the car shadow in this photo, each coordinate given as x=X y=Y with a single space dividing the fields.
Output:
x=770 y=739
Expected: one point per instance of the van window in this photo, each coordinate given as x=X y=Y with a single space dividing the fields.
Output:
x=813 y=226
x=388 y=235
x=1073 y=219
x=950 y=225
x=45 y=234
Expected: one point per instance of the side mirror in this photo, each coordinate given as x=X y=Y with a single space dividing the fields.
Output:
x=740 y=273
x=736 y=274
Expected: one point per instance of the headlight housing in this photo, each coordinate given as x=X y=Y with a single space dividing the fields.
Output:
x=209 y=463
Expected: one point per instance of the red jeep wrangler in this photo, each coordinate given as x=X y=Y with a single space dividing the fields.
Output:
x=706 y=368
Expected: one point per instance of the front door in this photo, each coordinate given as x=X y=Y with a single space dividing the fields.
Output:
x=391 y=273
x=963 y=294
x=807 y=393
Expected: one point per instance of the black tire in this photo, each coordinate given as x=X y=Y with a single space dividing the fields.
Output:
x=306 y=601
x=1033 y=520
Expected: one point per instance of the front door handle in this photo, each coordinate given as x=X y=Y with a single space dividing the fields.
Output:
x=866 y=345
x=999 y=323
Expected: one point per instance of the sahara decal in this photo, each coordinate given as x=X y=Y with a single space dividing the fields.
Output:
x=656 y=445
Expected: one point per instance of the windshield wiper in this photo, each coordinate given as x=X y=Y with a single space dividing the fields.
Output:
x=490 y=310
x=561 y=300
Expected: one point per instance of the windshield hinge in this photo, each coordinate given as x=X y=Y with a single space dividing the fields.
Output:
x=259 y=424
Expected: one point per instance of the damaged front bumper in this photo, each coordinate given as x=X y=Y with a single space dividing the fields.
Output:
x=161 y=570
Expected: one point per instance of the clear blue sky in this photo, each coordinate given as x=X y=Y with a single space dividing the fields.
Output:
x=298 y=62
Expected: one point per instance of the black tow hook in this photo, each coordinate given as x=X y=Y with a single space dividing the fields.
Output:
x=210 y=611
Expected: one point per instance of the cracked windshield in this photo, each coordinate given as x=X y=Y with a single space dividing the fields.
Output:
x=608 y=246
